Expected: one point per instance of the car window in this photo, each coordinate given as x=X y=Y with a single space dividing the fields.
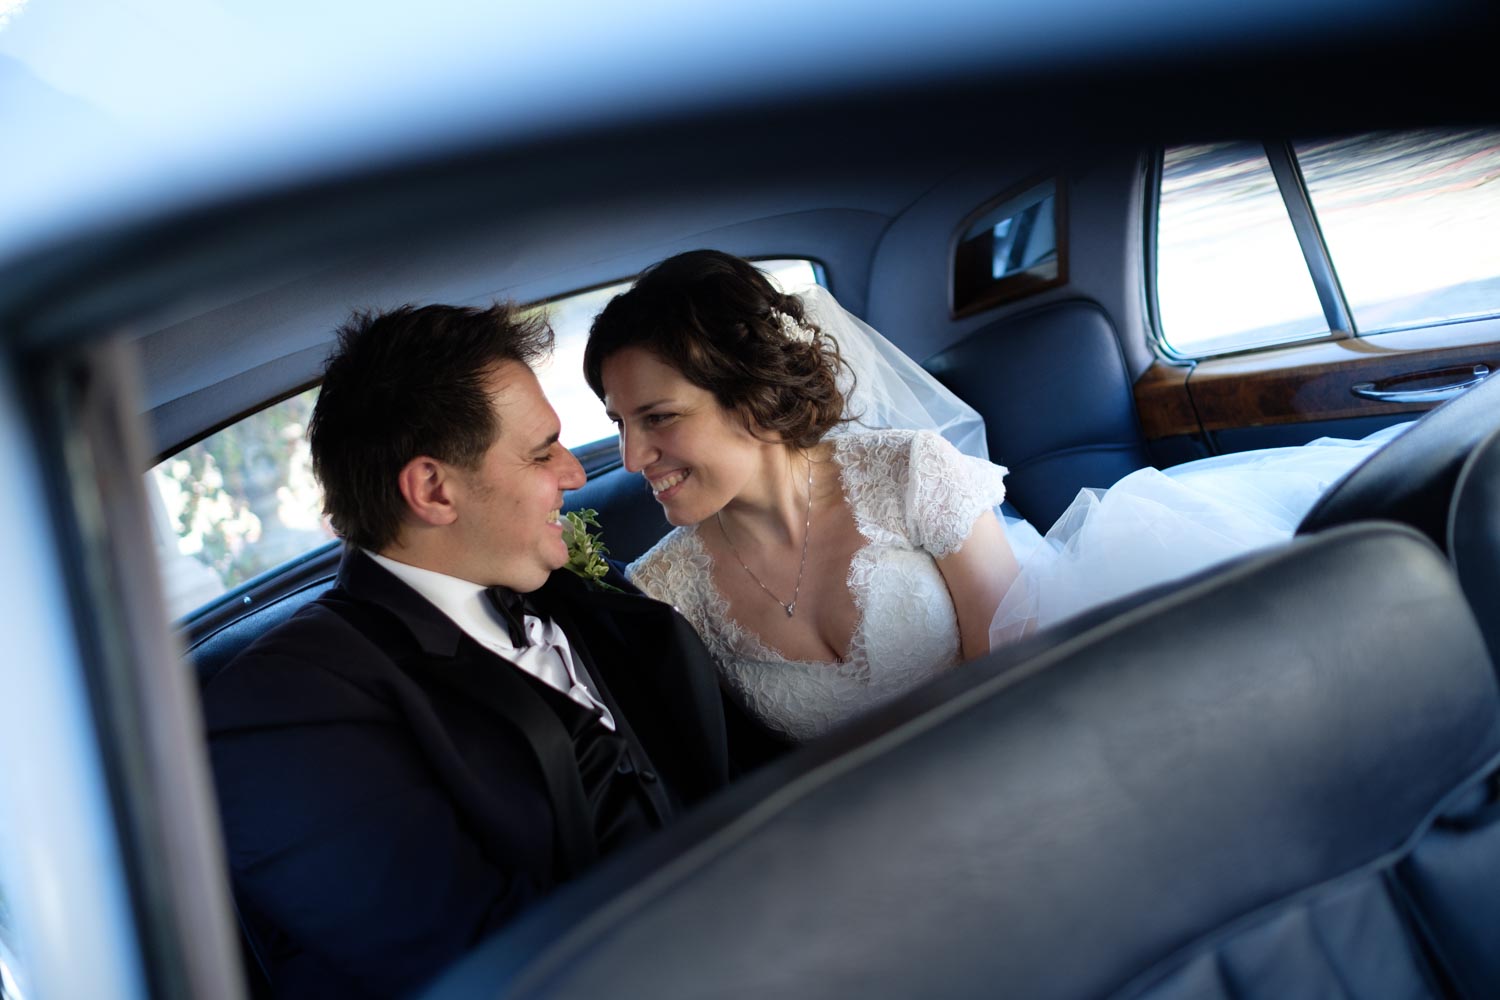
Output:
x=1399 y=225
x=1412 y=222
x=244 y=501
x=1229 y=272
x=236 y=504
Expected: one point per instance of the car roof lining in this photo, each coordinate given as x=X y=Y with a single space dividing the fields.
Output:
x=204 y=370
x=268 y=273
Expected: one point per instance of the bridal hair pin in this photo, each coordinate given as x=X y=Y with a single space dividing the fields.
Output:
x=790 y=328
x=789 y=608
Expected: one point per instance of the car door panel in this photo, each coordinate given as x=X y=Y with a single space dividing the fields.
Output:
x=1295 y=394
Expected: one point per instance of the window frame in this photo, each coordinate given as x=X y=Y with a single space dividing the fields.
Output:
x=1285 y=180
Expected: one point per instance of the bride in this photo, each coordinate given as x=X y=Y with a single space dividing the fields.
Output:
x=836 y=540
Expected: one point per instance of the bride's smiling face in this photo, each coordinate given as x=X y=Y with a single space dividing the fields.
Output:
x=696 y=455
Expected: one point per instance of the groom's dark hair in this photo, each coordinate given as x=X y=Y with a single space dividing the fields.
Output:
x=404 y=383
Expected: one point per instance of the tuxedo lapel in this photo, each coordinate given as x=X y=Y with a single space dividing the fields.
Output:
x=446 y=655
x=497 y=684
x=656 y=670
x=577 y=629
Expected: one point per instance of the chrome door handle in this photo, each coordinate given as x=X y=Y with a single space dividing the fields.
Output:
x=1437 y=394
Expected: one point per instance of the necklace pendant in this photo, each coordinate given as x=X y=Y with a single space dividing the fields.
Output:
x=791 y=609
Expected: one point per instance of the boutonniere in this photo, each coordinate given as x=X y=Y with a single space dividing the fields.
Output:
x=586 y=550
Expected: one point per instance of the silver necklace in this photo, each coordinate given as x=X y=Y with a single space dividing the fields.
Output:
x=789 y=608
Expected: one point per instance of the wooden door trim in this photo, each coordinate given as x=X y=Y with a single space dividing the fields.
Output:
x=1307 y=382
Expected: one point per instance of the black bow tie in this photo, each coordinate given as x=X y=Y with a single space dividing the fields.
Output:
x=512 y=607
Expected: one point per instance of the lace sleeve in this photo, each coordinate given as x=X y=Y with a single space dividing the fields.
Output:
x=652 y=572
x=665 y=573
x=946 y=493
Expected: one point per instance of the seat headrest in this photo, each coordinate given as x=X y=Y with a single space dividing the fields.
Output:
x=1057 y=400
x=1068 y=355
x=1052 y=827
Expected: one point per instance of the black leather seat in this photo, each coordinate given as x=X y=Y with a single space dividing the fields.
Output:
x=1240 y=788
x=220 y=635
x=1411 y=479
x=1453 y=874
x=1057 y=402
x=1474 y=536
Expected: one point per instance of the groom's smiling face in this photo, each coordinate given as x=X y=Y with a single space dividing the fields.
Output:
x=696 y=455
x=508 y=504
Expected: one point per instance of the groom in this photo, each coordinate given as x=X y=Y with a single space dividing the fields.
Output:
x=459 y=725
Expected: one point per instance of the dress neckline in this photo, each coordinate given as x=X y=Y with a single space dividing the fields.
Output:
x=757 y=647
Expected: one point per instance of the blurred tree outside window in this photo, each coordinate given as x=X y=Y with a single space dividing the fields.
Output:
x=237 y=503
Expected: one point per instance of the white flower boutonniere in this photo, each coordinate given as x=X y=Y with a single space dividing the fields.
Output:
x=586 y=551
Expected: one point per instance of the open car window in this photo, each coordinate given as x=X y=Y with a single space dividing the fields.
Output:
x=243 y=501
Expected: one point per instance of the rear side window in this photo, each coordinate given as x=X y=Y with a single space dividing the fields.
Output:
x=244 y=501
x=1229 y=272
x=1412 y=223
x=1259 y=244
x=237 y=503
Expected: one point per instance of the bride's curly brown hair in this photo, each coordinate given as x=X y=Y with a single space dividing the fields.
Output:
x=721 y=323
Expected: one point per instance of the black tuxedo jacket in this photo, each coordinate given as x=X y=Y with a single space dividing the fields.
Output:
x=391 y=791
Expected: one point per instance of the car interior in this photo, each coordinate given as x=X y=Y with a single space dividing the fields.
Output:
x=1367 y=834
x=1279 y=777
x=1312 y=825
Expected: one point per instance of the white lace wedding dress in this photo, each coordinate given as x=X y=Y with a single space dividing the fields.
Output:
x=915 y=491
x=914 y=497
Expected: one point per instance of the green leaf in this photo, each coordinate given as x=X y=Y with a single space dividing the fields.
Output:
x=586 y=551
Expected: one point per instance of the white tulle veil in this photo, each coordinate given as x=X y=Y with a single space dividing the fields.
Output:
x=883 y=388
x=888 y=388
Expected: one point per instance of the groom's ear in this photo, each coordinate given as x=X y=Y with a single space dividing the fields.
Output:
x=426 y=485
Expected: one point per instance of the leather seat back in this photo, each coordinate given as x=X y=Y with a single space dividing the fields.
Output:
x=1474 y=536
x=1206 y=793
x=226 y=631
x=1057 y=402
x=1411 y=479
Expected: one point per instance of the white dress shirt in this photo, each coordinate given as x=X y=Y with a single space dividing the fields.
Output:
x=549 y=658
